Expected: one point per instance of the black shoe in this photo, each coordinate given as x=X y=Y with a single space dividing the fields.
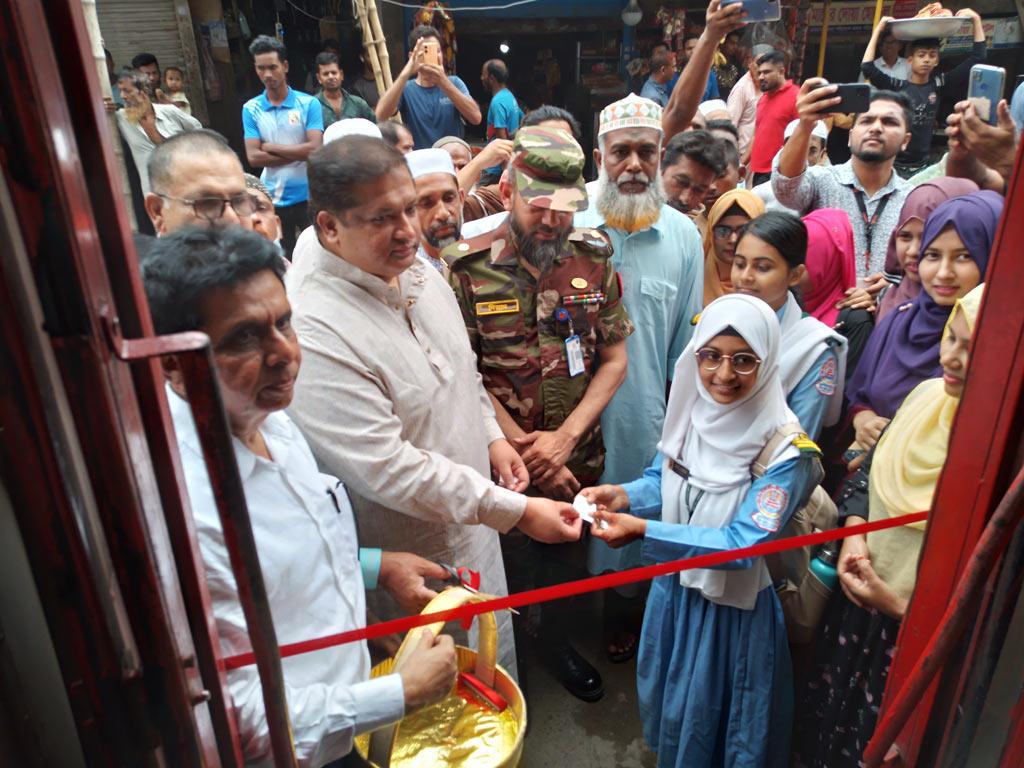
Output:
x=574 y=672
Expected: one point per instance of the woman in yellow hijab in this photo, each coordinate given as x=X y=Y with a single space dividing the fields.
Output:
x=726 y=220
x=840 y=701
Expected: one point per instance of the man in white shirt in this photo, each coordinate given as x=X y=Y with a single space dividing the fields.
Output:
x=890 y=62
x=227 y=282
x=389 y=395
x=144 y=124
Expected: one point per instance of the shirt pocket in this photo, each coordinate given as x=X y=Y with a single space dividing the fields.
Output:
x=657 y=290
x=503 y=343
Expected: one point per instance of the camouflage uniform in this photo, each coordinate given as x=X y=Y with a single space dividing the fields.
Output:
x=510 y=315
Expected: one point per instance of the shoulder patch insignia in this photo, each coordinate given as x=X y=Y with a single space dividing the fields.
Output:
x=771 y=502
x=805 y=445
x=695 y=319
x=591 y=240
x=482 y=242
x=826 y=384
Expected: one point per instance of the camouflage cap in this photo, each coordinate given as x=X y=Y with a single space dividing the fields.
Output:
x=548 y=167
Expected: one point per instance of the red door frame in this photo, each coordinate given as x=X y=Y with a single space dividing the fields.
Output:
x=983 y=447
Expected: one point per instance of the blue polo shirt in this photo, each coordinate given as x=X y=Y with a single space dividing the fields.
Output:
x=429 y=114
x=285 y=123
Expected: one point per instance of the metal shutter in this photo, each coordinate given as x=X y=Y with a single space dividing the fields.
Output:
x=133 y=26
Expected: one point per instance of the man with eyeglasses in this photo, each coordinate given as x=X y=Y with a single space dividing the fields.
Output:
x=197 y=180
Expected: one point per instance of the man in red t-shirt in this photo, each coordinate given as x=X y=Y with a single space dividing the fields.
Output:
x=775 y=109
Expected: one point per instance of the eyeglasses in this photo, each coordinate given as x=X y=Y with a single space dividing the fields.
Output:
x=743 y=363
x=722 y=231
x=212 y=208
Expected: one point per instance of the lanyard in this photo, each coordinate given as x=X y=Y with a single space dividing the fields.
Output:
x=869 y=223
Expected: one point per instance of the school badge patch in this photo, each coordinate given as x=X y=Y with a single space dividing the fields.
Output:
x=771 y=503
x=826 y=383
x=294 y=118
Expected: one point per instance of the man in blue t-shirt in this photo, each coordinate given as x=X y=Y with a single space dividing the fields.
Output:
x=432 y=103
x=282 y=127
x=504 y=114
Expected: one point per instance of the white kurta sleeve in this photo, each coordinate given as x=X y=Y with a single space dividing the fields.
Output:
x=348 y=416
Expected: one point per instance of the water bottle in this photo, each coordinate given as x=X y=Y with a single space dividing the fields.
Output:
x=823 y=565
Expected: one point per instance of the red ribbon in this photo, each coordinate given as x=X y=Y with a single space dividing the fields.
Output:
x=582 y=586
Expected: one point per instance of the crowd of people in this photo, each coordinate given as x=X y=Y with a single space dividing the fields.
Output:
x=427 y=353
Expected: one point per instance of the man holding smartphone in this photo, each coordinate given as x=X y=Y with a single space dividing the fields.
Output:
x=866 y=185
x=432 y=103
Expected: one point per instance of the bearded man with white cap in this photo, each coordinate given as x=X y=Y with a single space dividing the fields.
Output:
x=438 y=203
x=658 y=254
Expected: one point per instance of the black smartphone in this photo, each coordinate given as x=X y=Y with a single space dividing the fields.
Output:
x=854 y=97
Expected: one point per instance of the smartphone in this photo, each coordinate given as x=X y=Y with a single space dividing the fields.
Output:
x=759 y=10
x=432 y=53
x=854 y=97
x=985 y=89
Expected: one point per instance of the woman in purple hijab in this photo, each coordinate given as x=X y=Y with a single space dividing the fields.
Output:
x=905 y=241
x=904 y=349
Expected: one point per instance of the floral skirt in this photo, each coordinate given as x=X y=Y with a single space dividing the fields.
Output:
x=838 y=706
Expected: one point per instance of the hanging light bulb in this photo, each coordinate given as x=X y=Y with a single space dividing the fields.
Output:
x=503 y=47
x=632 y=14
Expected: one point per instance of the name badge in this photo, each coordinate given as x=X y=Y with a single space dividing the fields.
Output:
x=574 y=355
x=504 y=307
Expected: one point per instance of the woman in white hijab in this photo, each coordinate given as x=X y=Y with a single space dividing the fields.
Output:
x=714 y=673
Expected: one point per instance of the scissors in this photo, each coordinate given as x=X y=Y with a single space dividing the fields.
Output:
x=466 y=578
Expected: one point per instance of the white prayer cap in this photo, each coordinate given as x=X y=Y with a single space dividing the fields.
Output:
x=712 y=105
x=820 y=130
x=424 y=161
x=352 y=126
x=630 y=112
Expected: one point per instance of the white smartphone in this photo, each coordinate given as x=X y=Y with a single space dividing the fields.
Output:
x=759 y=10
x=985 y=89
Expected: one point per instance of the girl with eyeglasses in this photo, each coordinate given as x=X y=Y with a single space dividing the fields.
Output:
x=713 y=674
x=769 y=265
x=726 y=221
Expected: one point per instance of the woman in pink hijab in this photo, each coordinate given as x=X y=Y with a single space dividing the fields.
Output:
x=905 y=242
x=831 y=271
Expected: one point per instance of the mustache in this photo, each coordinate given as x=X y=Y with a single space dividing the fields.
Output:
x=627 y=177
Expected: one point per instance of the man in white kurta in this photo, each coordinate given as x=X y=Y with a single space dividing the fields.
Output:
x=389 y=395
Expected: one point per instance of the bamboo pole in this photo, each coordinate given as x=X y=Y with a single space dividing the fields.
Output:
x=92 y=24
x=369 y=46
x=378 y=39
x=824 y=38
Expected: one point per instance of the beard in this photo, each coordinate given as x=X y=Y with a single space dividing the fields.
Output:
x=136 y=113
x=443 y=242
x=629 y=212
x=875 y=155
x=540 y=253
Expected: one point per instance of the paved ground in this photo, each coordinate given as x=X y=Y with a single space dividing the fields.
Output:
x=568 y=733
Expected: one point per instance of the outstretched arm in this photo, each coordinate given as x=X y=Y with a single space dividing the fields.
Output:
x=682 y=104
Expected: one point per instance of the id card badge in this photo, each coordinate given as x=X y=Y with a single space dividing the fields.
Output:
x=574 y=354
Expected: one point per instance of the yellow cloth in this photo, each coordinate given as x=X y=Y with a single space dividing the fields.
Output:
x=753 y=206
x=906 y=467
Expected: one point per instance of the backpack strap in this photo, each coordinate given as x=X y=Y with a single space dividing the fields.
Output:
x=791 y=432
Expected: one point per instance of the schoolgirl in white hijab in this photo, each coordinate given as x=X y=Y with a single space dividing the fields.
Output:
x=713 y=675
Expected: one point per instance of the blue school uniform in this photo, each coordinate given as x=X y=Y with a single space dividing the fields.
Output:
x=714 y=680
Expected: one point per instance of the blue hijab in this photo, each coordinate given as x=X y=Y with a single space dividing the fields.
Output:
x=903 y=350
